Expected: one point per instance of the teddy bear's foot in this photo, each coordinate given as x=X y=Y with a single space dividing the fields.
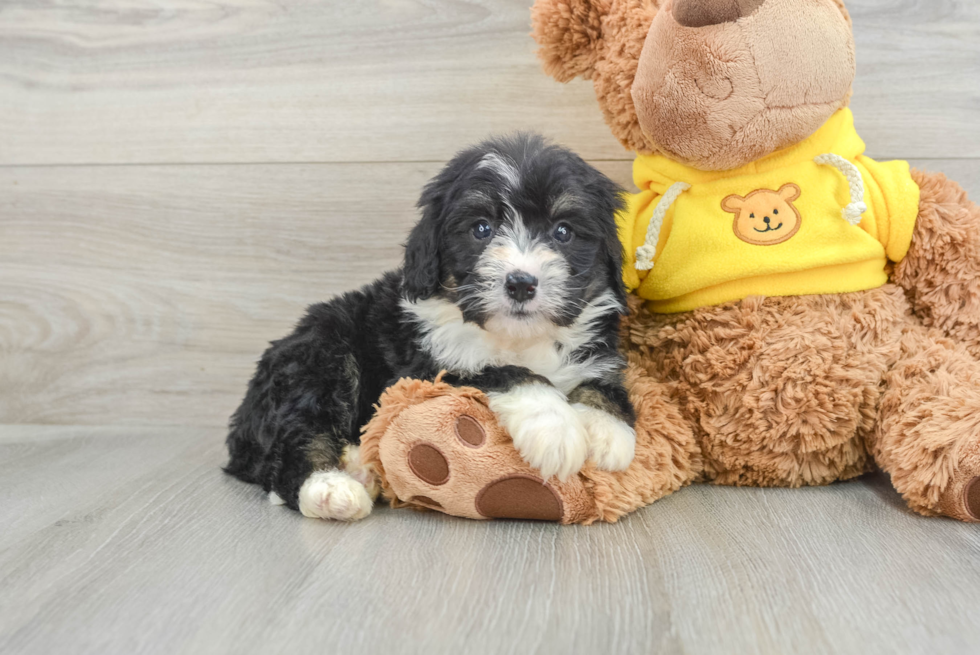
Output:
x=961 y=499
x=971 y=498
x=450 y=455
x=441 y=448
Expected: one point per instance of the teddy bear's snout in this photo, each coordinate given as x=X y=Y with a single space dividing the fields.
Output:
x=702 y=13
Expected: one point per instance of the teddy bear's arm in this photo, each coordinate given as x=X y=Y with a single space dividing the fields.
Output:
x=941 y=272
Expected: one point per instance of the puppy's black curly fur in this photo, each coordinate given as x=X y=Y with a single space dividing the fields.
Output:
x=314 y=389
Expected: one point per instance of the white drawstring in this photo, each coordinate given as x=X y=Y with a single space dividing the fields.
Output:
x=852 y=213
x=646 y=252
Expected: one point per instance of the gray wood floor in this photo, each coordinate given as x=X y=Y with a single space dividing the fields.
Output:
x=178 y=180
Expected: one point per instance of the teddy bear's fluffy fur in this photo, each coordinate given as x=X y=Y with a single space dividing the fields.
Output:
x=812 y=389
x=802 y=390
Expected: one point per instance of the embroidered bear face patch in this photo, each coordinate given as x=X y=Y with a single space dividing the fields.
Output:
x=764 y=217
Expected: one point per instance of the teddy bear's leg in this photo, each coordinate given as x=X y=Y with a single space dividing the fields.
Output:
x=928 y=433
x=941 y=273
x=441 y=447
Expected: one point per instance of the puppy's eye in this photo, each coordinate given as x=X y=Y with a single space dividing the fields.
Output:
x=482 y=230
x=562 y=233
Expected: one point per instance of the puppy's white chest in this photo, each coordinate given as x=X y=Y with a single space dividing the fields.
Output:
x=541 y=356
x=468 y=349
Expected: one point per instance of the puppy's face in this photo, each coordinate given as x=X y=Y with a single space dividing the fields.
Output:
x=518 y=234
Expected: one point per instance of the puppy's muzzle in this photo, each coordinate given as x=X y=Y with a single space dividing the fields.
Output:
x=521 y=286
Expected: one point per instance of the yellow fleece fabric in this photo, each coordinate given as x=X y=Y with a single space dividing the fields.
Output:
x=701 y=260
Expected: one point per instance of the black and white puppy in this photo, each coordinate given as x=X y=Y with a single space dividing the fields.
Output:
x=511 y=283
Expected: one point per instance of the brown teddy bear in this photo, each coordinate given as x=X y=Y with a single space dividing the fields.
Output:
x=801 y=312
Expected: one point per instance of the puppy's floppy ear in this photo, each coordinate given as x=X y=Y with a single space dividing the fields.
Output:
x=421 y=272
x=614 y=261
x=611 y=200
x=423 y=264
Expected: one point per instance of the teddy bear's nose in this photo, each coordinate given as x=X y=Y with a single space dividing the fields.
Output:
x=701 y=13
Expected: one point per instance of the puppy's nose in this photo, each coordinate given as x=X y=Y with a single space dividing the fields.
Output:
x=521 y=286
x=701 y=13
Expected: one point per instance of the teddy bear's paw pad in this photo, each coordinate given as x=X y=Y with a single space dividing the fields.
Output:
x=470 y=432
x=971 y=498
x=334 y=495
x=429 y=464
x=519 y=497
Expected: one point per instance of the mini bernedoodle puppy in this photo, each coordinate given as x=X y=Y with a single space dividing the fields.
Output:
x=511 y=283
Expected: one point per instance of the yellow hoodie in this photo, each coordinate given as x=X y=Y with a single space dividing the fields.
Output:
x=817 y=218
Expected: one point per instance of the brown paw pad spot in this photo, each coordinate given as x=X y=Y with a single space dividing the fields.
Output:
x=971 y=498
x=428 y=464
x=425 y=501
x=470 y=432
x=519 y=497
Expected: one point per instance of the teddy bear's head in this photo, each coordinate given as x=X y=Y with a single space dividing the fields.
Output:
x=714 y=84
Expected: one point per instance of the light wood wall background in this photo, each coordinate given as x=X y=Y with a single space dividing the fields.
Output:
x=178 y=180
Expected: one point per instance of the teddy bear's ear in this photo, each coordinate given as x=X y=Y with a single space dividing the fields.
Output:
x=569 y=33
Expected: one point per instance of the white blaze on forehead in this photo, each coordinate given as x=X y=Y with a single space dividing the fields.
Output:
x=505 y=169
x=513 y=245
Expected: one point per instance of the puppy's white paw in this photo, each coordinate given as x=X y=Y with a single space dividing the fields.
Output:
x=334 y=495
x=546 y=430
x=612 y=443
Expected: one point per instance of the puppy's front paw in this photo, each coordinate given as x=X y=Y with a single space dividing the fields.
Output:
x=612 y=443
x=546 y=430
x=334 y=495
